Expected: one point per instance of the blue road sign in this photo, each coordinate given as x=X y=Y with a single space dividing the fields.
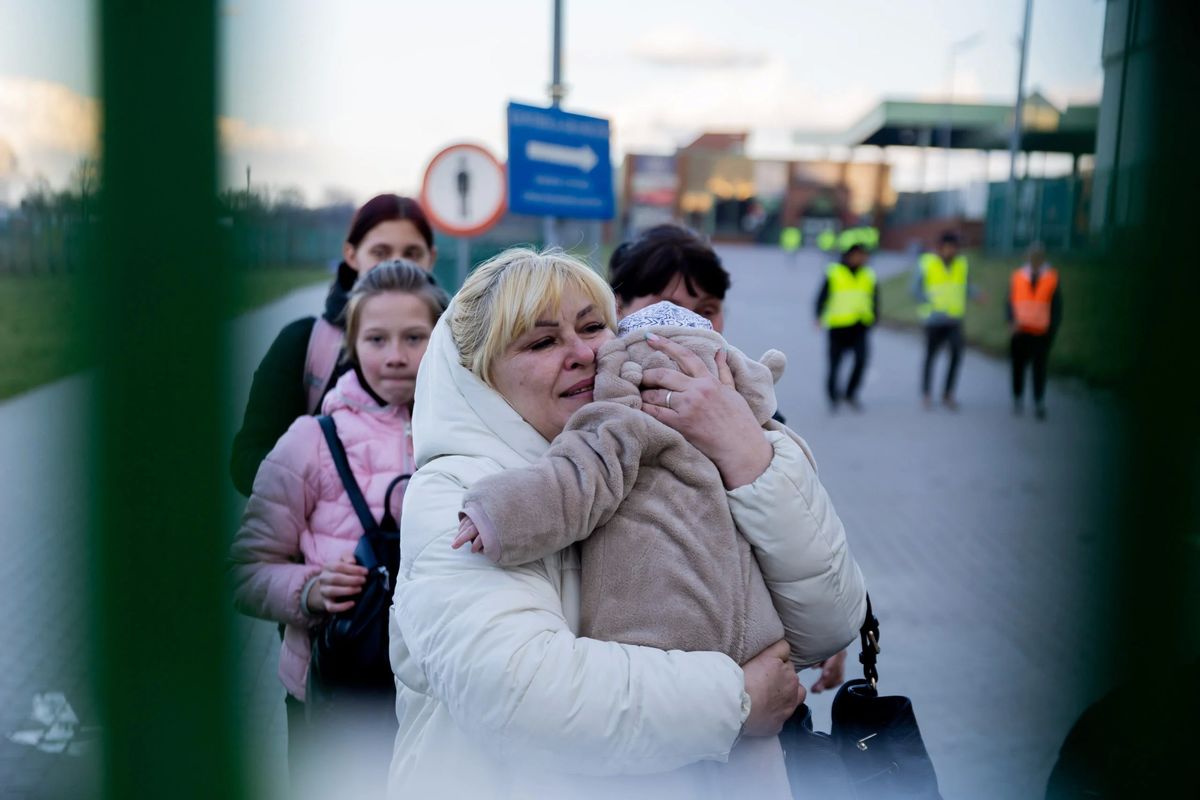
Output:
x=558 y=164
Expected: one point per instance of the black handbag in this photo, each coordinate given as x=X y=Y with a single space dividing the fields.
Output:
x=350 y=651
x=874 y=749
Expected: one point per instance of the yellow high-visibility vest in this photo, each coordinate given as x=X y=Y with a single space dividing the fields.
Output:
x=851 y=297
x=790 y=238
x=849 y=237
x=826 y=239
x=945 y=287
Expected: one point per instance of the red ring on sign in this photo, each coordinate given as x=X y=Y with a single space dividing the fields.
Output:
x=457 y=230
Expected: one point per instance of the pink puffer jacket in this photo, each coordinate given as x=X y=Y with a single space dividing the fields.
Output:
x=299 y=516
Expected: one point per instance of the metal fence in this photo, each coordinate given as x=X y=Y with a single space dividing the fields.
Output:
x=37 y=244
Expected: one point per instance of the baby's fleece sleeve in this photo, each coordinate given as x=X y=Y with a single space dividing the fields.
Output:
x=528 y=513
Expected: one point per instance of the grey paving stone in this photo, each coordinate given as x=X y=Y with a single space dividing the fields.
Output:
x=975 y=530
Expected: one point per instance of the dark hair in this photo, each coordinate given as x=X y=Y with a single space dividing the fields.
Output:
x=385 y=208
x=397 y=275
x=647 y=264
x=854 y=248
x=949 y=237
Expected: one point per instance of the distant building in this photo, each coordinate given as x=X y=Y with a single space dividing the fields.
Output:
x=1054 y=209
x=713 y=187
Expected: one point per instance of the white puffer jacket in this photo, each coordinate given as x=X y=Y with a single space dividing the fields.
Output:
x=498 y=698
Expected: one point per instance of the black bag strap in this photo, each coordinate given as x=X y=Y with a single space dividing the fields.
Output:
x=388 y=523
x=343 y=468
x=869 y=636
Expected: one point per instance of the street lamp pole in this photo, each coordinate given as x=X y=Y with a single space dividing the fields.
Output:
x=961 y=46
x=1014 y=147
x=557 y=91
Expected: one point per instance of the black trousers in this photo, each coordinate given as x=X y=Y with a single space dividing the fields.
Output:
x=1029 y=349
x=936 y=335
x=852 y=339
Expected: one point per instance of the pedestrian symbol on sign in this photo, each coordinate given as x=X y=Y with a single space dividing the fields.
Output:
x=464 y=188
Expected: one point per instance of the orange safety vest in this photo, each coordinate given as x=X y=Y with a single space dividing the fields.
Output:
x=1031 y=303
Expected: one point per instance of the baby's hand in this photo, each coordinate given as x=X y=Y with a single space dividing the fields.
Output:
x=467 y=532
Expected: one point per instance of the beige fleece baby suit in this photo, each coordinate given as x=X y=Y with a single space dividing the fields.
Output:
x=662 y=562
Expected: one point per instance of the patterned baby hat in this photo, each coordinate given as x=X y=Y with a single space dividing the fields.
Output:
x=663 y=312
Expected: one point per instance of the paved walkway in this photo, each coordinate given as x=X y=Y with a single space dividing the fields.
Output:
x=43 y=583
x=974 y=530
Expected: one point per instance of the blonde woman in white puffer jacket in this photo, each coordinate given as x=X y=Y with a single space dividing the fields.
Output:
x=496 y=695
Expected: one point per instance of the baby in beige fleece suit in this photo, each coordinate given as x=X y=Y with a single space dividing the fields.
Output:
x=662 y=562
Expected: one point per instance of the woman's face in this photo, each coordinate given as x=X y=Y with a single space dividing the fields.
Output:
x=393 y=332
x=676 y=291
x=548 y=374
x=396 y=238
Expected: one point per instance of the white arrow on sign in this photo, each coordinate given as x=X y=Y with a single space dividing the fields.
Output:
x=583 y=157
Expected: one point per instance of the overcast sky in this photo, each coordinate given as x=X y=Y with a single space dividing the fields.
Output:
x=355 y=96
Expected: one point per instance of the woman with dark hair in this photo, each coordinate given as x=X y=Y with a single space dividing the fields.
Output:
x=302 y=364
x=669 y=262
x=292 y=561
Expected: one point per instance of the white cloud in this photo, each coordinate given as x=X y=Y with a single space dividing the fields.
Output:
x=239 y=135
x=47 y=127
x=661 y=115
x=45 y=116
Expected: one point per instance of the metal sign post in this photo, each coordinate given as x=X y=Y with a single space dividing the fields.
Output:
x=558 y=91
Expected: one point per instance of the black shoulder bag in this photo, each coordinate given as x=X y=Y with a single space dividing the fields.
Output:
x=350 y=651
x=875 y=748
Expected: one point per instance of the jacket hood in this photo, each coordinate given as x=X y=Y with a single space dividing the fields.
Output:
x=339 y=293
x=622 y=361
x=349 y=394
x=455 y=413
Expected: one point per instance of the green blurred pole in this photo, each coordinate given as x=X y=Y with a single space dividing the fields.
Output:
x=164 y=675
x=1159 y=555
x=1138 y=741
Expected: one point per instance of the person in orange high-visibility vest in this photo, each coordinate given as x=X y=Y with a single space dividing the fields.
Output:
x=1034 y=311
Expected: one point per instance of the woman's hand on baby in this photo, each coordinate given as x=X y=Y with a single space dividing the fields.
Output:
x=467 y=532
x=337 y=581
x=774 y=690
x=708 y=411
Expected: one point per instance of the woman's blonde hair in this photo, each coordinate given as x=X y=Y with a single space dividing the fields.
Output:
x=397 y=275
x=505 y=296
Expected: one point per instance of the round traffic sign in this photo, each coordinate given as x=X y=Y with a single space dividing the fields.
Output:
x=465 y=190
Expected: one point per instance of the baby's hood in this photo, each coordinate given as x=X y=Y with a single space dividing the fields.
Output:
x=622 y=361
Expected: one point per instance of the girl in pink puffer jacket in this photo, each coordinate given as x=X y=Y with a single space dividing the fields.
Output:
x=293 y=557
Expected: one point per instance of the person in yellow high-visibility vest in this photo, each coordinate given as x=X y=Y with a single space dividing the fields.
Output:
x=827 y=239
x=790 y=239
x=940 y=284
x=847 y=306
x=848 y=238
x=1034 y=311
x=871 y=237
